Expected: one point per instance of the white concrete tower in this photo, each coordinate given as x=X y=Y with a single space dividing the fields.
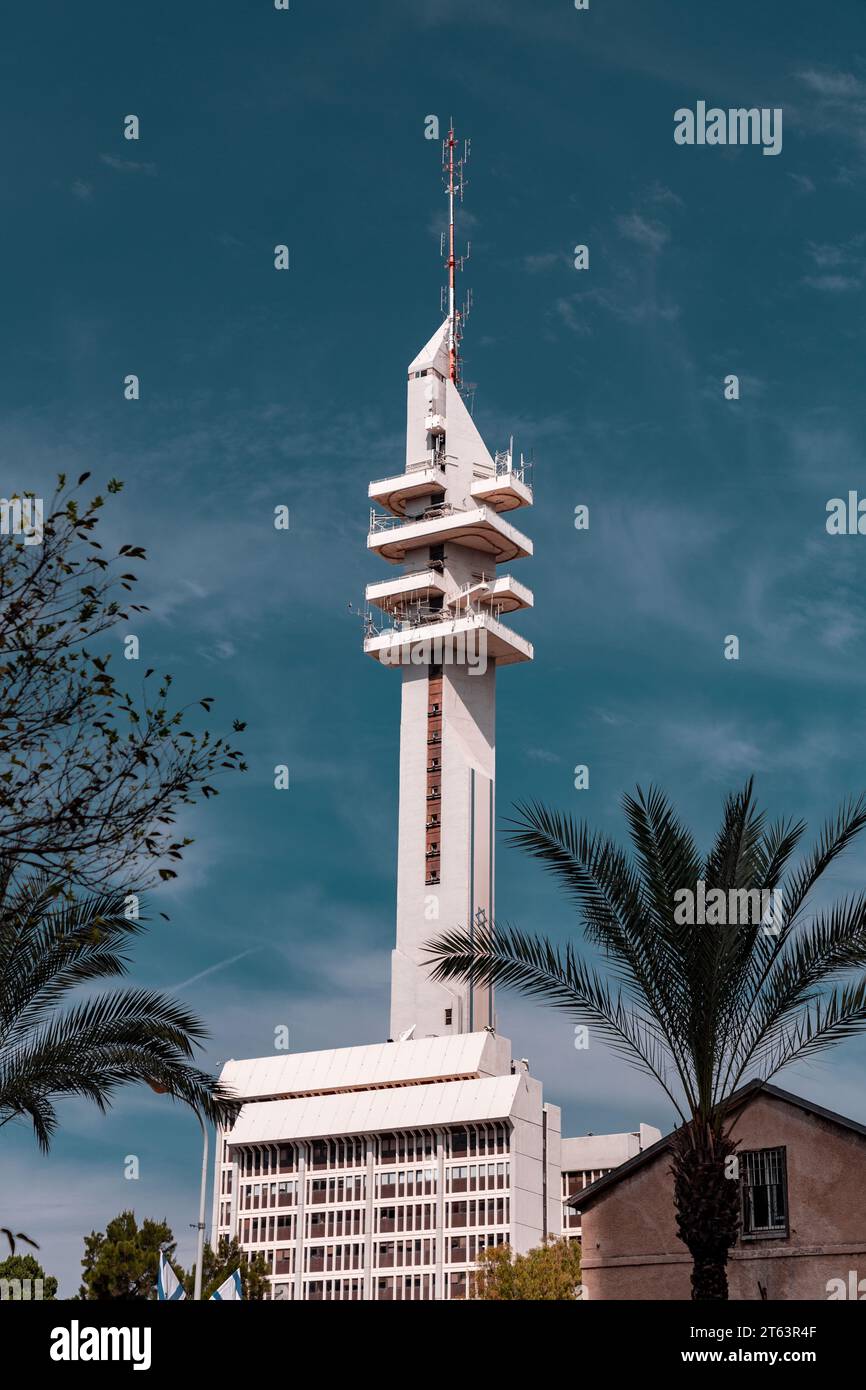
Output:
x=439 y=622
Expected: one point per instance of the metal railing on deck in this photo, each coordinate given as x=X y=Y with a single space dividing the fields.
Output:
x=384 y=521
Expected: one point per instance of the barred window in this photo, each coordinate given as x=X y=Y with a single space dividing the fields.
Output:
x=765 y=1192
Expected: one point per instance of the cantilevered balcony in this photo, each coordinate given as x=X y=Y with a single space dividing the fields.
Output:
x=504 y=491
x=416 y=587
x=424 y=479
x=506 y=487
x=500 y=593
x=393 y=647
x=480 y=528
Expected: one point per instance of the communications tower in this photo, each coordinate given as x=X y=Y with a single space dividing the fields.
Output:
x=441 y=522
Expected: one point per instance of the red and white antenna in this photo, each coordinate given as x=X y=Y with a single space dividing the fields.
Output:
x=454 y=184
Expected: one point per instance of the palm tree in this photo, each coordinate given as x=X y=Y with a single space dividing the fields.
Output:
x=51 y=947
x=702 y=1009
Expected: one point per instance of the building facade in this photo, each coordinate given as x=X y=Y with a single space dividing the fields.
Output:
x=382 y=1172
x=802 y=1175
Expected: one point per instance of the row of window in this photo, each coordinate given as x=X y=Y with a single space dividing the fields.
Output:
x=253 y=1196
x=258 y=1230
x=262 y=1160
x=421 y=1287
x=417 y=1216
x=352 y=1188
x=572 y=1183
x=349 y=1258
x=475 y=1177
x=384 y=1288
x=394 y=1254
x=387 y=1253
x=433 y=819
x=398 y=1183
x=477 y=1141
x=406 y=1182
x=348 y=1221
x=264 y=1230
x=489 y=1211
x=576 y=1181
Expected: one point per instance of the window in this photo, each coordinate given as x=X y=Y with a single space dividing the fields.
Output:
x=765 y=1193
x=448 y=1017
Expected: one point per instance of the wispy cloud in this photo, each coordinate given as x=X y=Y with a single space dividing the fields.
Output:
x=543 y=261
x=832 y=284
x=643 y=231
x=542 y=755
x=566 y=310
x=841 y=88
x=128 y=166
x=803 y=183
x=836 y=105
x=626 y=301
x=840 y=264
x=660 y=193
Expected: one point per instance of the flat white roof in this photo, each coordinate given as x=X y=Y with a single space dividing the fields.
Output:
x=375 y=1065
x=360 y=1112
x=590 y=1152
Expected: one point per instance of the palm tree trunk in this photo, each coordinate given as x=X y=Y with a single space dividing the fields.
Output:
x=707 y=1202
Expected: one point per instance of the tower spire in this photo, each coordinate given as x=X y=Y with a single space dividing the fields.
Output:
x=453 y=168
x=443 y=626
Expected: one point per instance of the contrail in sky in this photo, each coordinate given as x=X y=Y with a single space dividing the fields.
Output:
x=193 y=979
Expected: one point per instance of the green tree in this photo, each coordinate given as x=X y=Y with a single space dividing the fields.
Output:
x=218 y=1264
x=91 y=776
x=551 y=1272
x=123 y=1260
x=25 y=1267
x=702 y=1009
x=49 y=947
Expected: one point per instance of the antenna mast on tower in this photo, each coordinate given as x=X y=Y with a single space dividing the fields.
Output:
x=454 y=184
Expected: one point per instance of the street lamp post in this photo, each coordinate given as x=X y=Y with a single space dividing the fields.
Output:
x=199 y=1254
x=202 y=1201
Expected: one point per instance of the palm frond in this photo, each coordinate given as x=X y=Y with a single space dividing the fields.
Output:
x=500 y=955
x=50 y=948
x=699 y=1007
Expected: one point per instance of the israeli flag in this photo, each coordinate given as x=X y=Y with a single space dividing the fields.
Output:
x=167 y=1283
x=230 y=1291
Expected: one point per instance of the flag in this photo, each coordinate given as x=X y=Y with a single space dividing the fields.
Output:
x=167 y=1283
x=230 y=1290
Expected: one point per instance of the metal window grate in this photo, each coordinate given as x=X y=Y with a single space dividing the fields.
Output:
x=765 y=1206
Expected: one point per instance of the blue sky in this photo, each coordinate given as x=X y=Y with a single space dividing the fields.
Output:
x=259 y=388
